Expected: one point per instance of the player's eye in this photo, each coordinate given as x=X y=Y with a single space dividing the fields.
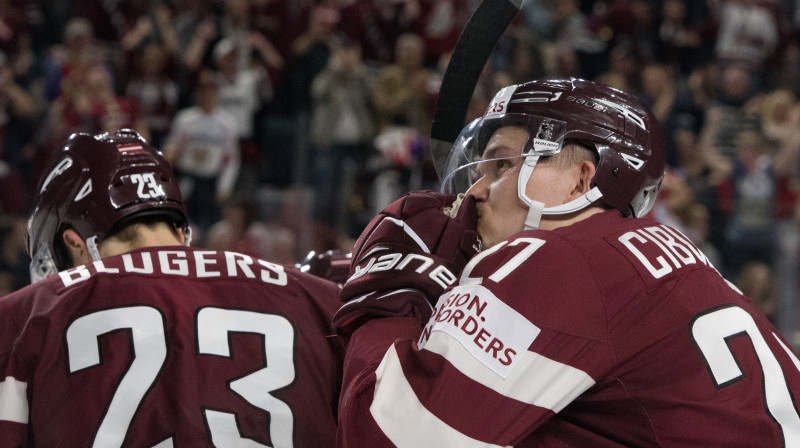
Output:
x=503 y=165
x=493 y=168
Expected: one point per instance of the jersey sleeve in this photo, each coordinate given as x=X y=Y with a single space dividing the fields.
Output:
x=504 y=346
x=366 y=349
x=16 y=372
x=13 y=403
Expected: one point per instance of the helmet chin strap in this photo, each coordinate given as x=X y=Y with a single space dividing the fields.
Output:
x=536 y=209
x=187 y=236
x=91 y=244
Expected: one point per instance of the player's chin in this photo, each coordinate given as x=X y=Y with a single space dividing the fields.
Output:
x=488 y=237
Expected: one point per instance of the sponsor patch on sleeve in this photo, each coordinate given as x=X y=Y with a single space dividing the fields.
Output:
x=493 y=332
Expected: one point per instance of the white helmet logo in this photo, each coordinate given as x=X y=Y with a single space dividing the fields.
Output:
x=539 y=97
x=60 y=168
x=627 y=113
x=85 y=190
x=636 y=163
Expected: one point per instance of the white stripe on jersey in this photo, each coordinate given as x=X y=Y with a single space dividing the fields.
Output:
x=403 y=419
x=535 y=380
x=13 y=400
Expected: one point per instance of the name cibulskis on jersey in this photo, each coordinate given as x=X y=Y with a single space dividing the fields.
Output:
x=183 y=263
x=651 y=247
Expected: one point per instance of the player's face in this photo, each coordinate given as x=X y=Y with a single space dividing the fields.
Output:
x=501 y=213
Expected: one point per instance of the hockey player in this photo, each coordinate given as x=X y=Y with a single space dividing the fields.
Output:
x=581 y=322
x=142 y=341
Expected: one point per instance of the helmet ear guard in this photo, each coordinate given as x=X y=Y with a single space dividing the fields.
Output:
x=615 y=172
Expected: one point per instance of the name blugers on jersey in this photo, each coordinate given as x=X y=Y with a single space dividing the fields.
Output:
x=170 y=346
x=183 y=263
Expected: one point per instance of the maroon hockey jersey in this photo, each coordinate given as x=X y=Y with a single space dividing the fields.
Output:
x=611 y=332
x=170 y=346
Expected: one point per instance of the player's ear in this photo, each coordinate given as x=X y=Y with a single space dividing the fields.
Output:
x=77 y=248
x=583 y=183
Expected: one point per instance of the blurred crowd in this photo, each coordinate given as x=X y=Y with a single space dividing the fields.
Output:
x=291 y=123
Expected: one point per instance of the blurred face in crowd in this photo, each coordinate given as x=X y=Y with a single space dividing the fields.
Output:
x=237 y=9
x=410 y=51
x=228 y=63
x=152 y=60
x=655 y=79
x=98 y=84
x=207 y=92
x=346 y=59
x=736 y=83
x=749 y=149
x=674 y=11
x=78 y=34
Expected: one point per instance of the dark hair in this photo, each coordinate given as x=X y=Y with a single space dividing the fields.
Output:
x=128 y=232
x=576 y=151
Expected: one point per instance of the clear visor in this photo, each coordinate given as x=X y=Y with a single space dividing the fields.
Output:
x=462 y=168
x=42 y=264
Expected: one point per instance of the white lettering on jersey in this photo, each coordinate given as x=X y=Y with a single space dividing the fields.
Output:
x=243 y=262
x=173 y=262
x=267 y=274
x=74 y=275
x=147 y=264
x=493 y=332
x=203 y=258
x=645 y=243
x=178 y=262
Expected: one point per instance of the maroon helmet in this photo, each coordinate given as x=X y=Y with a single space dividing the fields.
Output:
x=621 y=129
x=96 y=185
